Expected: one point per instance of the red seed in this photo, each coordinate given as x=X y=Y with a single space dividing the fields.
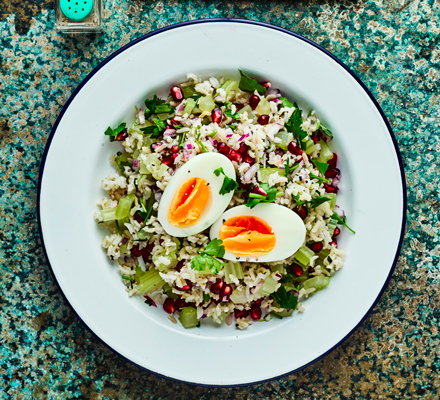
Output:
x=294 y=148
x=138 y=217
x=315 y=247
x=334 y=243
x=186 y=287
x=146 y=252
x=150 y=300
x=265 y=84
x=223 y=148
x=216 y=115
x=296 y=269
x=234 y=156
x=217 y=287
x=179 y=304
x=332 y=173
x=248 y=159
x=302 y=212
x=253 y=101
x=238 y=106
x=336 y=232
x=330 y=189
x=168 y=160
x=179 y=265
x=243 y=149
x=241 y=314
x=174 y=123
x=175 y=148
x=255 y=312
x=176 y=93
x=122 y=136
x=263 y=119
x=175 y=155
x=135 y=251
x=227 y=290
x=315 y=136
x=169 y=306
x=332 y=162
x=258 y=302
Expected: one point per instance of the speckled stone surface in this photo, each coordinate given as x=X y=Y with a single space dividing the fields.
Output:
x=46 y=353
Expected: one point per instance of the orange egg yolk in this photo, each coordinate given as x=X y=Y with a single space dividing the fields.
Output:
x=188 y=202
x=247 y=235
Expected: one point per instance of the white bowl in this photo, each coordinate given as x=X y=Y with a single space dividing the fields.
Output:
x=76 y=159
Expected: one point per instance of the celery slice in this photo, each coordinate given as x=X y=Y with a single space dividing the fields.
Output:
x=206 y=103
x=160 y=172
x=145 y=165
x=332 y=200
x=228 y=86
x=162 y=265
x=169 y=292
x=263 y=107
x=139 y=272
x=290 y=286
x=311 y=146
x=284 y=136
x=135 y=153
x=188 y=91
x=331 y=226
x=303 y=255
x=239 y=296
x=188 y=317
x=250 y=113
x=318 y=282
x=109 y=214
x=124 y=206
x=282 y=314
x=265 y=173
x=325 y=154
x=269 y=286
x=278 y=268
x=150 y=281
x=233 y=268
x=189 y=106
x=143 y=235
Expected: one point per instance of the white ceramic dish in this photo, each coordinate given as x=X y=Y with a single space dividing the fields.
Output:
x=76 y=159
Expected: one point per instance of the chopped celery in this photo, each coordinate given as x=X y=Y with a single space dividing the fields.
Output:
x=238 y=296
x=250 y=113
x=233 y=268
x=310 y=146
x=146 y=163
x=163 y=261
x=332 y=200
x=278 y=268
x=282 y=314
x=189 y=106
x=290 y=286
x=169 y=292
x=286 y=138
x=325 y=154
x=124 y=206
x=269 y=286
x=136 y=128
x=264 y=173
x=228 y=86
x=109 y=214
x=263 y=107
x=150 y=281
x=188 y=317
x=331 y=226
x=206 y=103
x=196 y=110
x=318 y=282
x=206 y=271
x=120 y=224
x=303 y=255
x=188 y=91
x=135 y=153
x=160 y=172
x=144 y=235
x=139 y=272
x=165 y=116
x=147 y=142
x=123 y=249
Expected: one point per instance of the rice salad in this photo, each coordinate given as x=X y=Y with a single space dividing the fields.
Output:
x=223 y=203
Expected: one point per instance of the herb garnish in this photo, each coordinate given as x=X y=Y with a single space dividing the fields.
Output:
x=229 y=184
x=321 y=167
x=318 y=201
x=341 y=221
x=272 y=194
x=250 y=85
x=313 y=176
x=113 y=133
x=294 y=126
x=235 y=116
x=298 y=201
x=206 y=258
x=146 y=209
x=156 y=106
x=327 y=131
x=285 y=299
x=156 y=129
x=285 y=102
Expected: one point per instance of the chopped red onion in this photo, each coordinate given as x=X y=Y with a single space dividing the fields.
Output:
x=189 y=146
x=225 y=299
x=277 y=101
x=215 y=142
x=278 y=275
x=218 y=98
x=244 y=137
x=273 y=130
x=180 y=108
x=335 y=182
x=272 y=93
x=157 y=196
x=141 y=116
x=259 y=285
x=124 y=240
x=212 y=279
x=250 y=173
x=150 y=300
x=136 y=163
x=340 y=211
x=169 y=133
x=229 y=135
x=259 y=190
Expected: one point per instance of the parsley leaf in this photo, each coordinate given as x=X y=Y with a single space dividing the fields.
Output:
x=327 y=131
x=250 y=85
x=235 y=116
x=215 y=248
x=206 y=258
x=163 y=108
x=321 y=167
x=285 y=299
x=341 y=221
x=113 y=133
x=154 y=106
x=298 y=202
x=286 y=168
x=271 y=195
x=313 y=176
x=206 y=297
x=285 y=102
x=318 y=201
x=229 y=184
x=294 y=126
x=155 y=130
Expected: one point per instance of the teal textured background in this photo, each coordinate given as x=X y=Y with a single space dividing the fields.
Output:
x=393 y=46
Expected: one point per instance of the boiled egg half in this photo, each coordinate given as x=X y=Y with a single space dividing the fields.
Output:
x=191 y=202
x=267 y=232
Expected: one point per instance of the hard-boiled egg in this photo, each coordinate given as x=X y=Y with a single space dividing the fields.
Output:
x=191 y=202
x=267 y=232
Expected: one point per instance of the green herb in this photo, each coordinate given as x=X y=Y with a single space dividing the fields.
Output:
x=214 y=132
x=235 y=116
x=298 y=202
x=215 y=248
x=318 y=201
x=181 y=139
x=147 y=209
x=285 y=299
x=128 y=279
x=286 y=168
x=271 y=195
x=206 y=258
x=321 y=167
x=178 y=126
x=206 y=297
x=201 y=146
x=250 y=85
x=294 y=126
x=122 y=162
x=156 y=106
x=327 y=131
x=313 y=176
x=285 y=102
x=148 y=301
x=228 y=185
x=233 y=127
x=113 y=133
x=341 y=221
x=155 y=130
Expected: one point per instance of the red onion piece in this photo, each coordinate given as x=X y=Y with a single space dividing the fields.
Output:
x=259 y=285
x=229 y=135
x=180 y=108
x=335 y=182
x=141 y=116
x=169 y=133
x=250 y=173
x=157 y=196
x=124 y=240
x=244 y=137
x=340 y=212
x=259 y=190
x=272 y=93
x=277 y=101
x=136 y=163
x=189 y=146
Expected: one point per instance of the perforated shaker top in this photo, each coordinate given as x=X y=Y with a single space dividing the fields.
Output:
x=76 y=10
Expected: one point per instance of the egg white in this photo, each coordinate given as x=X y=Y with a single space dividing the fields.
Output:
x=287 y=226
x=200 y=166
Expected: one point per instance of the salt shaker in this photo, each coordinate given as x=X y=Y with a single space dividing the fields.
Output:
x=78 y=16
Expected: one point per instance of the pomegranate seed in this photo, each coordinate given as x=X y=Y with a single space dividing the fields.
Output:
x=234 y=156
x=243 y=149
x=334 y=243
x=258 y=302
x=146 y=252
x=169 y=306
x=154 y=146
x=301 y=212
x=332 y=173
x=176 y=93
x=223 y=148
x=216 y=115
x=217 y=287
x=315 y=247
x=227 y=290
x=336 y=232
x=135 y=251
x=315 y=136
x=265 y=84
x=179 y=304
x=150 y=301
x=294 y=148
x=253 y=101
x=175 y=155
x=255 y=312
x=332 y=162
x=238 y=106
x=175 y=148
x=330 y=189
x=168 y=160
x=263 y=119
x=186 y=287
x=248 y=159
x=296 y=269
x=122 y=136
x=174 y=123
x=138 y=217
x=179 y=265
x=241 y=314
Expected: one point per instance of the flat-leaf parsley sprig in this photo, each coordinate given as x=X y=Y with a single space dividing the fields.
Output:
x=229 y=184
x=206 y=258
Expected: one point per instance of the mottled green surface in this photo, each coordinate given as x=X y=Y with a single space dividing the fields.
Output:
x=46 y=353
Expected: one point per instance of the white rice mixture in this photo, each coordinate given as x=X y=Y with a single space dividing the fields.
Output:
x=262 y=143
